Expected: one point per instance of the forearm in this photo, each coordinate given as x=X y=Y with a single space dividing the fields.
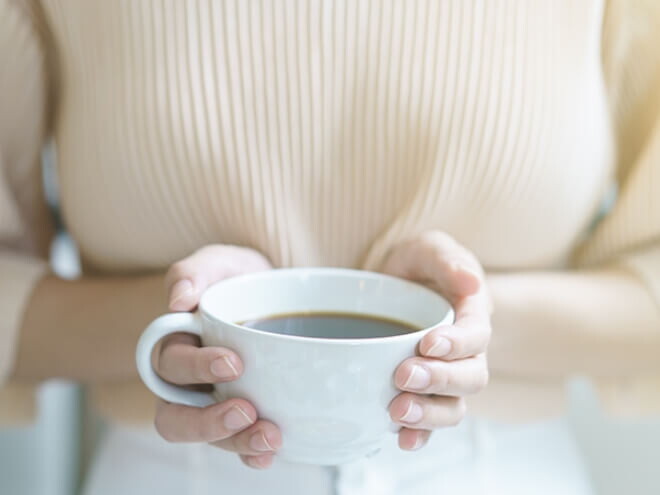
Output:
x=86 y=329
x=549 y=324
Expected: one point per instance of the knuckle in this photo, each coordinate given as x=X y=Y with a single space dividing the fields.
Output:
x=394 y=266
x=443 y=380
x=482 y=379
x=164 y=360
x=164 y=353
x=458 y=346
x=200 y=369
x=207 y=428
x=159 y=360
x=234 y=442
x=180 y=269
x=459 y=412
x=478 y=381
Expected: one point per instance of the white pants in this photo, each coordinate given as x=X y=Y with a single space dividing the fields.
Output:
x=475 y=458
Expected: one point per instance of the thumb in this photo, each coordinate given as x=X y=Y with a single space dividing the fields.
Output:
x=188 y=278
x=437 y=260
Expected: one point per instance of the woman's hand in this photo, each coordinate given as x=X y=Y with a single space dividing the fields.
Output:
x=452 y=358
x=233 y=424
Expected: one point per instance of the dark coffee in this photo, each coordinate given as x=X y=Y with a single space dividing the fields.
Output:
x=331 y=325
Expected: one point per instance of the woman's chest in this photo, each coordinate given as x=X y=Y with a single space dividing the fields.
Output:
x=313 y=130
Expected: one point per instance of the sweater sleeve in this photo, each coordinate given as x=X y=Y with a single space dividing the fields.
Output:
x=630 y=234
x=25 y=223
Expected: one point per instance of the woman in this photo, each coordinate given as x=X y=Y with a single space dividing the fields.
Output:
x=424 y=139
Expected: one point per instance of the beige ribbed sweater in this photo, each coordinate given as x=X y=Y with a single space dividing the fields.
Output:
x=323 y=132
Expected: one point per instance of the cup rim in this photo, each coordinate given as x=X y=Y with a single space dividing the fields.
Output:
x=448 y=318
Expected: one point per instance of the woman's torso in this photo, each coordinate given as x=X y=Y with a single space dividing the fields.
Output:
x=322 y=132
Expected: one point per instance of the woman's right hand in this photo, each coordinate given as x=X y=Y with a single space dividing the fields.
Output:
x=233 y=424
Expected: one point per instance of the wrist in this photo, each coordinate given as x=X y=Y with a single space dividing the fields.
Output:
x=529 y=325
x=86 y=329
x=556 y=324
x=513 y=296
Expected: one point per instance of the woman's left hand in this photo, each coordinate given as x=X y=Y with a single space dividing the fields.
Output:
x=451 y=361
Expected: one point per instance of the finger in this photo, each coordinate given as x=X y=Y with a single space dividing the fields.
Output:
x=477 y=306
x=468 y=336
x=178 y=423
x=181 y=362
x=411 y=439
x=427 y=412
x=261 y=438
x=437 y=260
x=187 y=279
x=262 y=461
x=432 y=376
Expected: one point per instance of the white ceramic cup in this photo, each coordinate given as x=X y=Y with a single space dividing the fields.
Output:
x=329 y=397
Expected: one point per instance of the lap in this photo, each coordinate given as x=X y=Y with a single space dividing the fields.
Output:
x=476 y=458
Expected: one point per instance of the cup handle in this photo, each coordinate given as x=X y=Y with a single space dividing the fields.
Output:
x=157 y=329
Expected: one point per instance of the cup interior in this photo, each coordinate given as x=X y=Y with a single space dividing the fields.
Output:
x=332 y=290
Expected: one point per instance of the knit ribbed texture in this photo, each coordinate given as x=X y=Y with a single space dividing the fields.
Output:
x=315 y=130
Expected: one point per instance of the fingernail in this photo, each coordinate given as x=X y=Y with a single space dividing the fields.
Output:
x=419 y=378
x=440 y=347
x=236 y=419
x=413 y=414
x=259 y=442
x=418 y=443
x=223 y=368
x=179 y=291
x=457 y=266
